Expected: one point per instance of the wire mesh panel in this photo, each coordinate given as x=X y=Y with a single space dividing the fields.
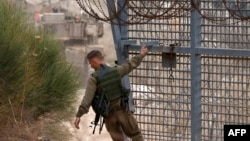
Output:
x=225 y=79
x=162 y=103
x=221 y=27
x=173 y=27
x=225 y=94
x=163 y=106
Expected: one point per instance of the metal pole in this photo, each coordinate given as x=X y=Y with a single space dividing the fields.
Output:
x=124 y=17
x=124 y=36
x=119 y=33
x=195 y=76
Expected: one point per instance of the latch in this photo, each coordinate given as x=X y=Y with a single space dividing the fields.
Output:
x=169 y=58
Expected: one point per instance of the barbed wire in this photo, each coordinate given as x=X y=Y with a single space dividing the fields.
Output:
x=238 y=9
x=127 y=12
x=159 y=9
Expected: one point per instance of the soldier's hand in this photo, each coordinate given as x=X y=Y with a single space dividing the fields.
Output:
x=144 y=50
x=77 y=122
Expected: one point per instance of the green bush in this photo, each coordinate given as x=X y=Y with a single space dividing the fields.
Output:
x=34 y=73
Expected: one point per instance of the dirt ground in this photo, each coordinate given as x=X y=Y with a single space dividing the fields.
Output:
x=85 y=131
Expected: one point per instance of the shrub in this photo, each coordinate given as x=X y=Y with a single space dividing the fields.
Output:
x=34 y=73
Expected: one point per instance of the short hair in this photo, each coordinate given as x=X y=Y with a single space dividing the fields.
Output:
x=94 y=53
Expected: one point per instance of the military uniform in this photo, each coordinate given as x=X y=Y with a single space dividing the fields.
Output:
x=119 y=120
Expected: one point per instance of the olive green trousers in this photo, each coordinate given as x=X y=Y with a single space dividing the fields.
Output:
x=120 y=122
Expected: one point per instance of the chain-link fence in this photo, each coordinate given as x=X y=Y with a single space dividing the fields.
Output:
x=225 y=94
x=163 y=104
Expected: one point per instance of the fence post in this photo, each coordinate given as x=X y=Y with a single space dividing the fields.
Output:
x=120 y=33
x=195 y=74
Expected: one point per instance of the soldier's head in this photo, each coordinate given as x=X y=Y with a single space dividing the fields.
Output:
x=95 y=58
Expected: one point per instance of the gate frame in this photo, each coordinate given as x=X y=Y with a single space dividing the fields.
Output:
x=122 y=45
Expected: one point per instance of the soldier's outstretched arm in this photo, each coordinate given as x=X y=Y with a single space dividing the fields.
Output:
x=133 y=63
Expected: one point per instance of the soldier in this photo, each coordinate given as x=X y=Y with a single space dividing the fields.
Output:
x=119 y=120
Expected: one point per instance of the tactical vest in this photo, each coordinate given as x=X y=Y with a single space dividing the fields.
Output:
x=109 y=87
x=109 y=82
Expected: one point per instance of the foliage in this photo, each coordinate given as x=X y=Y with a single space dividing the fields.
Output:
x=34 y=73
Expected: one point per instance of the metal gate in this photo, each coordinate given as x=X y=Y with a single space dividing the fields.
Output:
x=190 y=89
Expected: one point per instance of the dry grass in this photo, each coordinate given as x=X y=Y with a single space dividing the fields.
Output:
x=45 y=127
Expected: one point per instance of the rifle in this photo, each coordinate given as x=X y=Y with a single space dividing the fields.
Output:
x=102 y=121
x=98 y=115
x=99 y=103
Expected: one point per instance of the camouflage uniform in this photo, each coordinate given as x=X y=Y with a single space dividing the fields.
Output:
x=119 y=120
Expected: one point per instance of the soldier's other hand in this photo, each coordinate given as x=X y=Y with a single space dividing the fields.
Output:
x=144 y=50
x=77 y=122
